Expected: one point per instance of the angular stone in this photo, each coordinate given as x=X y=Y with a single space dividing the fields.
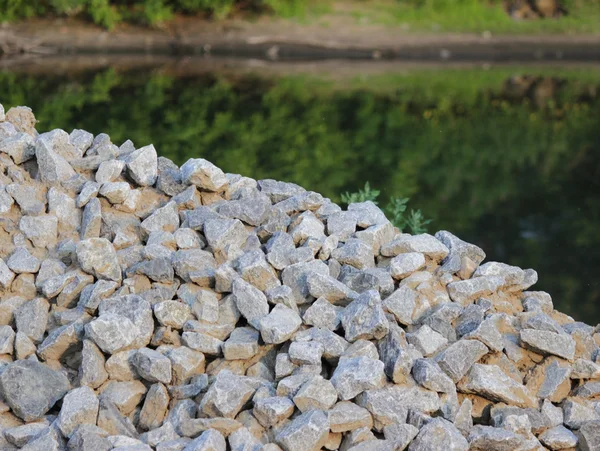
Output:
x=354 y=253
x=558 y=437
x=142 y=165
x=52 y=167
x=194 y=263
x=6 y=201
x=250 y=301
x=324 y=286
x=41 y=230
x=159 y=435
x=172 y=313
x=202 y=342
x=20 y=147
x=92 y=295
x=203 y=174
x=428 y=374
x=439 y=434
x=91 y=370
x=306 y=352
x=404 y=265
x=296 y=277
x=323 y=314
x=492 y=383
x=115 y=192
x=589 y=436
x=60 y=341
x=109 y=171
x=364 y=318
x=21 y=261
x=401 y=303
x=152 y=366
x=242 y=344
x=427 y=341
x=155 y=408
x=112 y=421
x=157 y=269
x=31 y=319
x=307 y=431
x=21 y=435
x=577 y=412
x=466 y=291
x=457 y=359
x=272 y=410
x=254 y=269
x=353 y=376
x=425 y=244
x=126 y=396
x=485 y=438
x=368 y=214
x=6 y=275
x=97 y=256
x=549 y=343
x=279 y=325
x=462 y=255
x=137 y=310
x=31 y=388
x=80 y=406
x=30 y=199
x=226 y=396
x=112 y=332
x=165 y=219
x=316 y=394
x=550 y=380
x=346 y=416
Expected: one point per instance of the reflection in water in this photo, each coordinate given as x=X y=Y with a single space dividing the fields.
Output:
x=509 y=162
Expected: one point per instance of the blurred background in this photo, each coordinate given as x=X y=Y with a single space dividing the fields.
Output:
x=484 y=113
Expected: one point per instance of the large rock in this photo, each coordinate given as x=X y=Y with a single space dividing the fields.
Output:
x=31 y=388
x=97 y=256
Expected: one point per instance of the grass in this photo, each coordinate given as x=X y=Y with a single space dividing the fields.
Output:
x=473 y=16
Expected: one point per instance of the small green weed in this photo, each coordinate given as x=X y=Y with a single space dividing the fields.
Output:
x=396 y=209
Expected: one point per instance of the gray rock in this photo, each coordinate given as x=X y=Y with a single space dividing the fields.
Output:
x=226 y=396
x=463 y=257
x=169 y=177
x=549 y=343
x=306 y=352
x=142 y=165
x=427 y=341
x=242 y=344
x=368 y=214
x=20 y=147
x=203 y=174
x=404 y=265
x=31 y=388
x=112 y=332
x=6 y=201
x=97 y=256
x=7 y=339
x=279 y=325
x=226 y=235
x=6 y=275
x=109 y=171
x=41 y=230
x=155 y=408
x=115 y=192
x=91 y=370
x=401 y=303
x=157 y=269
x=210 y=440
x=31 y=319
x=485 y=438
x=81 y=140
x=324 y=286
x=589 y=436
x=323 y=314
x=254 y=269
x=52 y=167
x=457 y=359
x=558 y=437
x=163 y=219
x=80 y=406
x=31 y=199
x=250 y=301
x=194 y=263
x=272 y=410
x=296 y=277
x=172 y=313
x=465 y=291
x=425 y=244
x=428 y=374
x=364 y=318
x=354 y=253
x=353 y=376
x=92 y=295
x=577 y=412
x=439 y=434
x=91 y=220
x=137 y=310
x=21 y=435
x=346 y=416
x=152 y=365
x=400 y=434
x=316 y=394
x=491 y=382
x=60 y=341
x=308 y=431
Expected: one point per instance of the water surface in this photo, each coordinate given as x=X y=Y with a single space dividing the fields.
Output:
x=507 y=158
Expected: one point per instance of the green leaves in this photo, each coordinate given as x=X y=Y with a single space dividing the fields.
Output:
x=362 y=195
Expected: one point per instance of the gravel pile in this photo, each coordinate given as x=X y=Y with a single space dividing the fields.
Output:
x=147 y=306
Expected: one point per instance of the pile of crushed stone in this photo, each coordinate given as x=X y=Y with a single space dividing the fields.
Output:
x=146 y=306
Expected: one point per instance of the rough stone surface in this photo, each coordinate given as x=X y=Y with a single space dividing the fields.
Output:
x=145 y=306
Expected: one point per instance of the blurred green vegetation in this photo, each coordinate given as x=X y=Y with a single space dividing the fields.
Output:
x=413 y=15
x=509 y=162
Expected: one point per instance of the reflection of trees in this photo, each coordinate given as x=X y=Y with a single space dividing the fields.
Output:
x=513 y=166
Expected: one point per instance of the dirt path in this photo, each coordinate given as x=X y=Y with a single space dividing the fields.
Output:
x=278 y=39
